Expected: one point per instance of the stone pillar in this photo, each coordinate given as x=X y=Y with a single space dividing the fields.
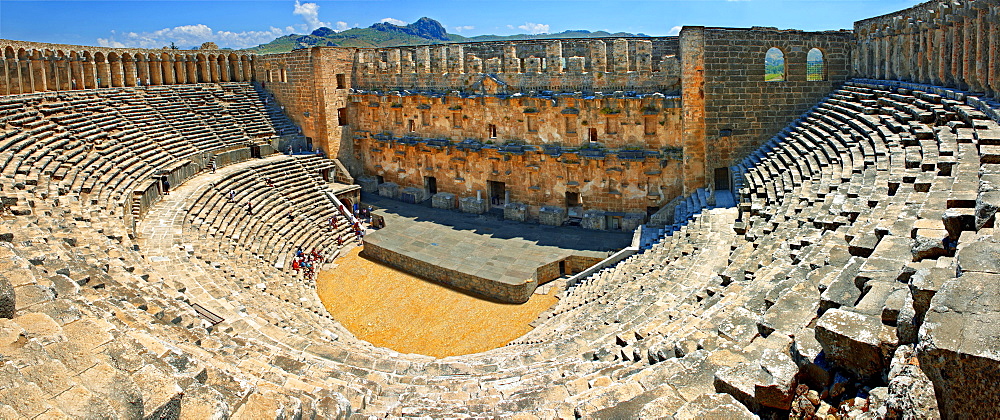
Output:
x=4 y=76
x=969 y=45
x=191 y=69
x=394 y=61
x=128 y=72
x=13 y=75
x=619 y=52
x=38 y=73
x=439 y=59
x=180 y=70
x=956 y=52
x=511 y=62
x=423 y=60
x=49 y=64
x=76 y=73
x=554 y=57
x=644 y=56
x=167 y=65
x=922 y=33
x=944 y=54
x=27 y=75
x=155 y=71
x=456 y=59
x=692 y=48
x=993 y=69
x=62 y=67
x=598 y=56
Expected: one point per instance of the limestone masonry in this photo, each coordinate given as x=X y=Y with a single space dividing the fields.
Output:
x=813 y=217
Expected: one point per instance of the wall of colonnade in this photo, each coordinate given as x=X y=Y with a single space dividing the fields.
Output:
x=27 y=67
x=954 y=43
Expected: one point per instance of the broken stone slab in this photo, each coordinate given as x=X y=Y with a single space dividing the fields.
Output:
x=808 y=355
x=856 y=342
x=958 y=346
x=987 y=204
x=717 y=406
x=980 y=256
x=910 y=392
x=792 y=311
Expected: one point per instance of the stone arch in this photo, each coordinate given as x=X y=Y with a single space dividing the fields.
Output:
x=816 y=68
x=220 y=69
x=103 y=70
x=155 y=69
x=775 y=67
x=75 y=70
x=141 y=69
x=61 y=71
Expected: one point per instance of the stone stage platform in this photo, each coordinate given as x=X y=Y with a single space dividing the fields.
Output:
x=496 y=259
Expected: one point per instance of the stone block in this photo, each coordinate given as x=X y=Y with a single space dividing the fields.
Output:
x=632 y=221
x=443 y=200
x=389 y=190
x=594 y=220
x=413 y=195
x=369 y=184
x=7 y=298
x=957 y=346
x=987 y=204
x=856 y=342
x=515 y=211
x=552 y=216
x=473 y=205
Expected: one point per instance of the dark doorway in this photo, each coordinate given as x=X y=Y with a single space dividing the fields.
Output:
x=491 y=131
x=431 y=185
x=562 y=268
x=411 y=126
x=497 y=192
x=592 y=134
x=721 y=179
x=379 y=179
x=572 y=199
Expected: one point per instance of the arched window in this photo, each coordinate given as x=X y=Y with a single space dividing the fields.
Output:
x=774 y=66
x=815 y=66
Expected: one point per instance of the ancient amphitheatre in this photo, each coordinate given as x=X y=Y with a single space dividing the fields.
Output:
x=820 y=244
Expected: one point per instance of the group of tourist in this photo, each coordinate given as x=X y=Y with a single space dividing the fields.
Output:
x=307 y=262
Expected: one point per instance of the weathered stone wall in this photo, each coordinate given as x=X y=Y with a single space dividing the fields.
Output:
x=729 y=110
x=650 y=122
x=608 y=64
x=942 y=43
x=609 y=182
x=306 y=83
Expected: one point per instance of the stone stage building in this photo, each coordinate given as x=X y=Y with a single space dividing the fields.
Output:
x=855 y=276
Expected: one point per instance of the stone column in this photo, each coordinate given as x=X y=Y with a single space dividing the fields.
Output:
x=180 y=72
x=944 y=53
x=155 y=71
x=4 y=76
x=76 y=70
x=692 y=48
x=167 y=65
x=191 y=69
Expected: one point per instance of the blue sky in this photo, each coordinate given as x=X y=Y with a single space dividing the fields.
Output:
x=240 y=24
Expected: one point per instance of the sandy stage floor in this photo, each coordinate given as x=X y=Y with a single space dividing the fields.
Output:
x=390 y=308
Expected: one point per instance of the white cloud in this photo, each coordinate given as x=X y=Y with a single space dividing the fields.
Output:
x=310 y=14
x=464 y=28
x=534 y=28
x=393 y=21
x=676 y=30
x=186 y=36
x=341 y=26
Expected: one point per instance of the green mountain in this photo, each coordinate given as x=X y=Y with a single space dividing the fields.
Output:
x=423 y=31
